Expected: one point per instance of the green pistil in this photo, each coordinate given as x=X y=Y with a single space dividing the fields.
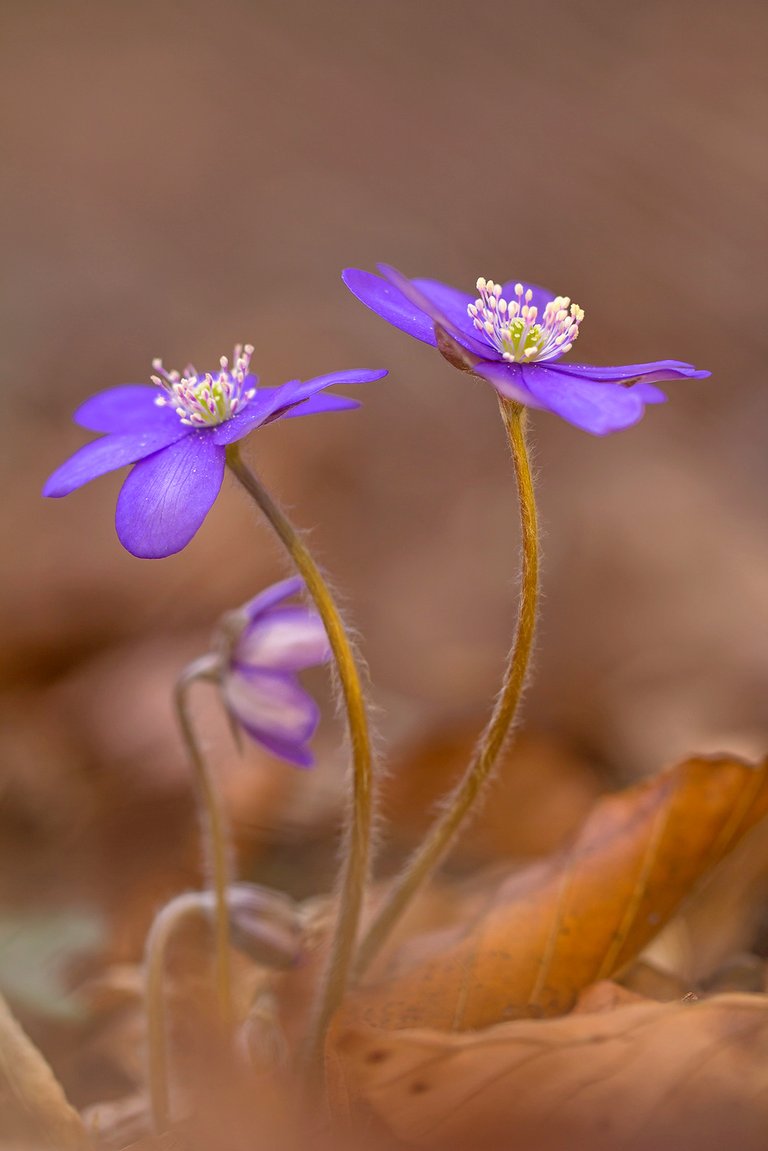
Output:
x=522 y=351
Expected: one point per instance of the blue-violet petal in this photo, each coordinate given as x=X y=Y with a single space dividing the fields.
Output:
x=127 y=408
x=284 y=639
x=273 y=702
x=107 y=455
x=167 y=496
x=389 y=303
x=599 y=408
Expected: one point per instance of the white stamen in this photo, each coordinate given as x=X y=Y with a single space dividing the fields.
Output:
x=513 y=328
x=206 y=399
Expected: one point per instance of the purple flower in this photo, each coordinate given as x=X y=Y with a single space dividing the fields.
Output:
x=258 y=680
x=513 y=335
x=177 y=437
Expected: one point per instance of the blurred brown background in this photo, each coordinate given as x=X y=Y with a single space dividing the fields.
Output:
x=181 y=176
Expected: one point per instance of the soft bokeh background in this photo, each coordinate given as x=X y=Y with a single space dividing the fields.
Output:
x=181 y=176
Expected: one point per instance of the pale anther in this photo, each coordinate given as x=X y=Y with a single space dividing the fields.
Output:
x=513 y=327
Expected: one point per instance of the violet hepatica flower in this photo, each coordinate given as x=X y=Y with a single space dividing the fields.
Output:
x=513 y=336
x=273 y=641
x=176 y=434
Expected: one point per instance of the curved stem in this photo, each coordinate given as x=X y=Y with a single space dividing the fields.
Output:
x=216 y=838
x=354 y=876
x=163 y=928
x=265 y=927
x=461 y=801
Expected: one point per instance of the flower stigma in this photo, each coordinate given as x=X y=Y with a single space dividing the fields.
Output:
x=206 y=399
x=513 y=327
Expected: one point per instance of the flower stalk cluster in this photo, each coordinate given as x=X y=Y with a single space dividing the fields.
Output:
x=180 y=434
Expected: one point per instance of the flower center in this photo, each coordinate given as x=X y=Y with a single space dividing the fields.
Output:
x=205 y=399
x=514 y=328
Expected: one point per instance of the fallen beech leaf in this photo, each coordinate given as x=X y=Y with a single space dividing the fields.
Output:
x=651 y=982
x=120 y=1123
x=34 y=1111
x=175 y=1140
x=552 y=929
x=723 y=920
x=607 y=996
x=644 y=1077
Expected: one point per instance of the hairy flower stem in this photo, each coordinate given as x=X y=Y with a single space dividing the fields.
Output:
x=460 y=803
x=166 y=923
x=216 y=836
x=355 y=867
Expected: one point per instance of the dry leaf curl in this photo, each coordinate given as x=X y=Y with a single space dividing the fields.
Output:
x=553 y=929
x=642 y=1077
x=34 y=1111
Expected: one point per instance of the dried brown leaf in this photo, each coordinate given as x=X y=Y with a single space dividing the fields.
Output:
x=643 y=1077
x=551 y=930
x=34 y=1111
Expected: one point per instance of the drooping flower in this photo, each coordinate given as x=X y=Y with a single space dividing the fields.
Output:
x=513 y=336
x=175 y=433
x=269 y=643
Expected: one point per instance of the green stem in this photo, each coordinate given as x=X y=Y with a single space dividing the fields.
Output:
x=216 y=836
x=355 y=867
x=163 y=928
x=462 y=800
